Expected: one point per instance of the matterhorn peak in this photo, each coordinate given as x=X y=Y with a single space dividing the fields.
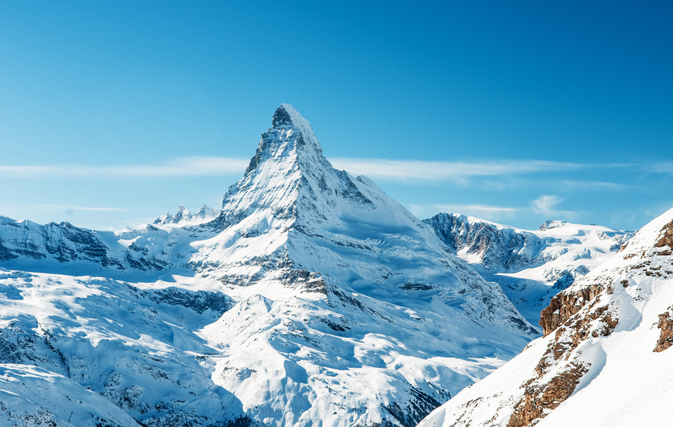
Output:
x=287 y=116
x=289 y=137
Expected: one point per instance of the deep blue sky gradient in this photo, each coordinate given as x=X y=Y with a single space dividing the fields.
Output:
x=145 y=83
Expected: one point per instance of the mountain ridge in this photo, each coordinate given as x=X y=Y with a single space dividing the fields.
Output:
x=531 y=266
x=604 y=346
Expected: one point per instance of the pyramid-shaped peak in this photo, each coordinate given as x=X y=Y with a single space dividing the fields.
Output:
x=287 y=116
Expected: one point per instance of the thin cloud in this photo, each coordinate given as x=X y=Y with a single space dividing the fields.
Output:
x=661 y=167
x=382 y=169
x=185 y=166
x=404 y=170
x=546 y=204
x=595 y=185
x=80 y=208
x=26 y=171
x=481 y=208
x=94 y=209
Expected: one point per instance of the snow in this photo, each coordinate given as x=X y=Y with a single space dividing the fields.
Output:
x=310 y=299
x=626 y=384
x=530 y=266
x=30 y=395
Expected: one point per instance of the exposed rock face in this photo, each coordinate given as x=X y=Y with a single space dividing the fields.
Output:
x=666 y=336
x=539 y=400
x=666 y=236
x=566 y=304
x=576 y=315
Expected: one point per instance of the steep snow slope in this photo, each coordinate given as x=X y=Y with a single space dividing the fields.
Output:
x=530 y=266
x=605 y=357
x=346 y=309
x=32 y=396
x=138 y=348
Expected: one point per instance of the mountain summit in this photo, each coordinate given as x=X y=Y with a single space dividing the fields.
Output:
x=290 y=136
x=343 y=289
x=311 y=299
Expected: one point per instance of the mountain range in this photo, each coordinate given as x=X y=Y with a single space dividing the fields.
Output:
x=309 y=298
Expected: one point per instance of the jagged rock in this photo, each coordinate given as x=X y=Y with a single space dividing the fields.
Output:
x=530 y=266
x=665 y=324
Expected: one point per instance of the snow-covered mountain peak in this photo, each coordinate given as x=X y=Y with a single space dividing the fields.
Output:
x=333 y=304
x=287 y=115
x=290 y=140
x=184 y=217
x=551 y=224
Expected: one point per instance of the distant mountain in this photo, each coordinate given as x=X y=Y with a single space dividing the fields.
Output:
x=312 y=298
x=605 y=356
x=183 y=216
x=530 y=266
x=25 y=245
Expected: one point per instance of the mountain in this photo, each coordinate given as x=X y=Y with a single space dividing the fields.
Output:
x=530 y=266
x=312 y=298
x=25 y=245
x=183 y=216
x=604 y=359
x=92 y=352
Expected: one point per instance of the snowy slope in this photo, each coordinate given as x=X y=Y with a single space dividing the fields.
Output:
x=32 y=396
x=25 y=245
x=329 y=304
x=530 y=266
x=605 y=358
x=138 y=348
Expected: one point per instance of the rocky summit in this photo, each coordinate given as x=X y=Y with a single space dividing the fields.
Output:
x=310 y=298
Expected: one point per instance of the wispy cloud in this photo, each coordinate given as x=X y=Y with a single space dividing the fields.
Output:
x=70 y=208
x=185 y=166
x=594 y=185
x=478 y=208
x=546 y=204
x=406 y=170
x=381 y=169
x=661 y=167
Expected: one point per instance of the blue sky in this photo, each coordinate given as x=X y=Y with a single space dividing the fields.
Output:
x=112 y=113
